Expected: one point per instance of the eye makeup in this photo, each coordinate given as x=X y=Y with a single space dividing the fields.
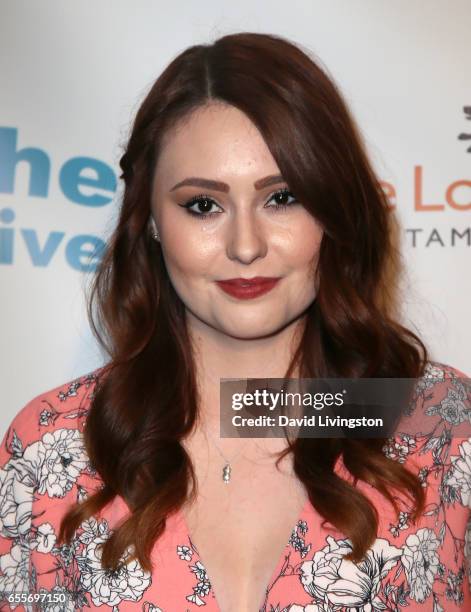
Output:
x=209 y=202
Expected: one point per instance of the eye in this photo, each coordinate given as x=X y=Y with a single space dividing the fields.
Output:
x=281 y=196
x=205 y=204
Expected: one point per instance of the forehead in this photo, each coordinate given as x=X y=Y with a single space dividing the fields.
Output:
x=218 y=138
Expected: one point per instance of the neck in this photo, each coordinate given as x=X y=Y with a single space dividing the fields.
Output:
x=218 y=356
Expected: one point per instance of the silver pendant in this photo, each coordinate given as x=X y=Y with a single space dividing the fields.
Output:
x=226 y=472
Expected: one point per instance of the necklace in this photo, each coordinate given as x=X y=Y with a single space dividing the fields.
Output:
x=227 y=469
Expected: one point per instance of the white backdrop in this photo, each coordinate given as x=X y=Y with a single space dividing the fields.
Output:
x=72 y=76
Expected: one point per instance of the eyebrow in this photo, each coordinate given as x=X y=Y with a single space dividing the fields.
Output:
x=220 y=186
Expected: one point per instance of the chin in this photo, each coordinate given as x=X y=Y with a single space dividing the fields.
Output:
x=250 y=331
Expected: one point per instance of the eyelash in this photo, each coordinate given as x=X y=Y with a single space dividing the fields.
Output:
x=203 y=196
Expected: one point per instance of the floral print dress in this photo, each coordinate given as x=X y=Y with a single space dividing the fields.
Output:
x=425 y=566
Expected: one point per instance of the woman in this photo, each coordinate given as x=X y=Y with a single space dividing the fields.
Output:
x=117 y=490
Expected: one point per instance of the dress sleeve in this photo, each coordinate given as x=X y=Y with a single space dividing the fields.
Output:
x=458 y=482
x=44 y=468
x=454 y=409
x=18 y=477
x=467 y=549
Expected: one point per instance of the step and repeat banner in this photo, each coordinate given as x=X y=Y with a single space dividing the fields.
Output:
x=72 y=76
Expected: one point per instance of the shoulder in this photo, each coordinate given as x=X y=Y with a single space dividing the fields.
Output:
x=435 y=437
x=44 y=467
x=439 y=404
x=442 y=397
x=439 y=409
x=441 y=371
x=64 y=406
x=42 y=453
x=436 y=447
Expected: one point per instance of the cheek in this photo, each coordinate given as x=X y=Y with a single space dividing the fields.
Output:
x=304 y=260
x=187 y=255
x=303 y=249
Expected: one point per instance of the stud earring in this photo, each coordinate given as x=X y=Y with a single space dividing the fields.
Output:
x=154 y=232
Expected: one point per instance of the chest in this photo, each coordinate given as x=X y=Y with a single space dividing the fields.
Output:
x=241 y=528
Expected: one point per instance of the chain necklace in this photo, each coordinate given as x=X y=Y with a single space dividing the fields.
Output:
x=227 y=469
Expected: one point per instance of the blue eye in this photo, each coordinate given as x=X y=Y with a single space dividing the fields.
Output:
x=206 y=203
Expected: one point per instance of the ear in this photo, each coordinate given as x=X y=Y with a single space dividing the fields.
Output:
x=151 y=225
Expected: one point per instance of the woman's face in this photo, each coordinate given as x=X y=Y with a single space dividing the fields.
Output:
x=244 y=235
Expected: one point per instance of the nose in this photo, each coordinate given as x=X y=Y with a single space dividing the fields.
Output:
x=246 y=238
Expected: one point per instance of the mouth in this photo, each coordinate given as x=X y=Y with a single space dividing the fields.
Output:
x=248 y=288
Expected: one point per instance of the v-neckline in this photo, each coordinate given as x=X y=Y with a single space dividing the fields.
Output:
x=184 y=525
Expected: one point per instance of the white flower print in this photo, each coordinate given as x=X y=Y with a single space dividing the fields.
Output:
x=184 y=552
x=432 y=374
x=90 y=528
x=62 y=457
x=15 y=568
x=45 y=418
x=200 y=572
x=402 y=524
x=421 y=562
x=297 y=539
x=400 y=447
x=453 y=408
x=50 y=465
x=65 y=603
x=17 y=484
x=433 y=371
x=149 y=607
x=110 y=587
x=195 y=598
x=459 y=475
x=45 y=538
x=467 y=548
x=71 y=391
x=318 y=574
x=203 y=586
x=339 y=582
x=427 y=568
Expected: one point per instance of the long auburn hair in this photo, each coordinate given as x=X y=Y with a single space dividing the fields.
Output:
x=147 y=401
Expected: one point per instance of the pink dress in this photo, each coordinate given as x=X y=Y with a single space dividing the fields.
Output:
x=423 y=567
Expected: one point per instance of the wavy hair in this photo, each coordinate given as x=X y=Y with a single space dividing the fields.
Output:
x=146 y=401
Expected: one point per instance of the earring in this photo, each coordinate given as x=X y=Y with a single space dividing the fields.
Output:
x=154 y=232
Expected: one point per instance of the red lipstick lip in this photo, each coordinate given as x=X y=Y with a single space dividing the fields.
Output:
x=248 y=288
x=256 y=280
